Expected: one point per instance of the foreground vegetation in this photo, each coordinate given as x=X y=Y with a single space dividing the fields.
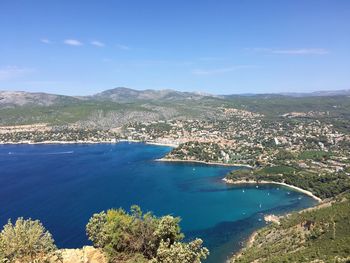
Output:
x=26 y=241
x=319 y=234
x=121 y=236
x=138 y=237
x=316 y=235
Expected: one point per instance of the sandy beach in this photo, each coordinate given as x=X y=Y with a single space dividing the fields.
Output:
x=163 y=144
x=228 y=181
x=150 y=142
x=203 y=162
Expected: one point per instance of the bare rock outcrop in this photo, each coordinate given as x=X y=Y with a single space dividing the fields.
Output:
x=87 y=254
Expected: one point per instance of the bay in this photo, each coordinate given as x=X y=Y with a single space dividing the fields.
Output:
x=63 y=185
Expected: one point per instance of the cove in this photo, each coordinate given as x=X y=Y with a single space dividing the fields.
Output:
x=63 y=185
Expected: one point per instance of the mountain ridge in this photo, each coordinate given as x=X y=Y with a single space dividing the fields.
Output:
x=116 y=107
x=127 y=95
x=122 y=94
x=118 y=95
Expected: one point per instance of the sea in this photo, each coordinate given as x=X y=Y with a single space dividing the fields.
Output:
x=63 y=185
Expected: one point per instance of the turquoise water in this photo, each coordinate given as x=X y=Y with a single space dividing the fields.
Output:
x=63 y=185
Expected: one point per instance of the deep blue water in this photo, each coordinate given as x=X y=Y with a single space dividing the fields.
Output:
x=63 y=185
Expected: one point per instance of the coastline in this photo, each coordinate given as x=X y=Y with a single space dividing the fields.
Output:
x=58 y=142
x=173 y=145
x=87 y=142
x=163 y=144
x=228 y=181
x=251 y=238
x=248 y=243
x=202 y=162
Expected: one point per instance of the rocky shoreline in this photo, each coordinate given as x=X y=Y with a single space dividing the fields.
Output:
x=86 y=254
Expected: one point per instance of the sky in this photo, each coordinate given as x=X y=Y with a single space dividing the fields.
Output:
x=81 y=47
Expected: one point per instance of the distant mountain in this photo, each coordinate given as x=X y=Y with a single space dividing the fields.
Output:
x=116 y=107
x=325 y=93
x=10 y=99
x=111 y=108
x=130 y=95
x=328 y=93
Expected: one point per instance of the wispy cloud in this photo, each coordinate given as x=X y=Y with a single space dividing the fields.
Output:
x=45 y=41
x=97 y=43
x=12 y=72
x=302 y=51
x=123 y=47
x=298 y=51
x=220 y=70
x=156 y=62
x=73 y=42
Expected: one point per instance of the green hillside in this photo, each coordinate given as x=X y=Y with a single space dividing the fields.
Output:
x=321 y=234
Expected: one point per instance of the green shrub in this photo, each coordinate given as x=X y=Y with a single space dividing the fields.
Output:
x=25 y=241
x=123 y=235
x=179 y=252
x=314 y=155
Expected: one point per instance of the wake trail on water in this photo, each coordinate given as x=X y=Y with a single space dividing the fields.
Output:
x=49 y=153
x=67 y=152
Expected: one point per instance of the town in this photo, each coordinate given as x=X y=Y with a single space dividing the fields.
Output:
x=283 y=149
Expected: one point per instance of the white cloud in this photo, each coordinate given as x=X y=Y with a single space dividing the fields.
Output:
x=97 y=43
x=123 y=47
x=299 y=51
x=220 y=70
x=11 y=72
x=45 y=41
x=72 y=42
x=302 y=51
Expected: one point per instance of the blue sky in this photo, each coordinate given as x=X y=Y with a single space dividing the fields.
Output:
x=81 y=47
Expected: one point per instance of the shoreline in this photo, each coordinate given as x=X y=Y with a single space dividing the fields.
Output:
x=202 y=162
x=173 y=145
x=248 y=243
x=306 y=192
x=57 y=142
x=87 y=142
x=163 y=144
x=250 y=240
